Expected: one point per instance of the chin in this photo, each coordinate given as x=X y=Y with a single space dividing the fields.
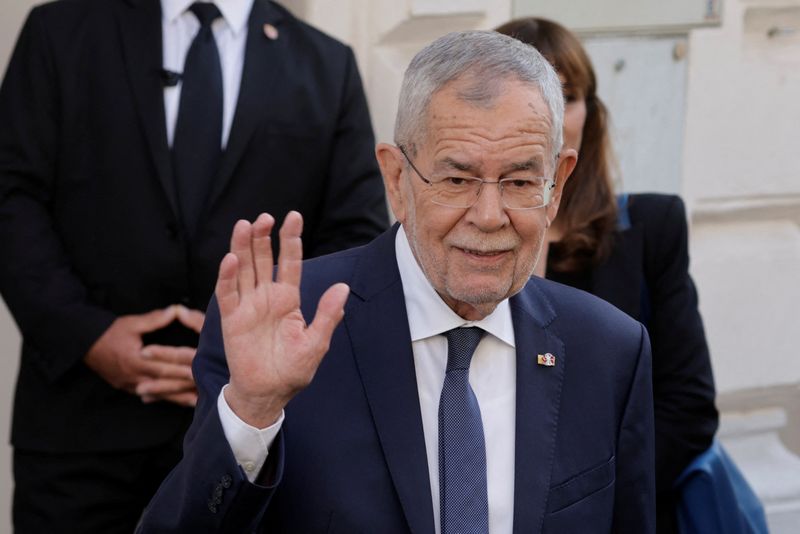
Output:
x=479 y=296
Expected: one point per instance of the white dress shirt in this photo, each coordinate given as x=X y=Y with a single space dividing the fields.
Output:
x=179 y=27
x=492 y=376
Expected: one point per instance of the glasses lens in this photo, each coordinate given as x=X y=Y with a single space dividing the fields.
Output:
x=526 y=193
x=456 y=192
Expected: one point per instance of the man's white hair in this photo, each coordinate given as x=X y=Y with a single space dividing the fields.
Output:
x=485 y=60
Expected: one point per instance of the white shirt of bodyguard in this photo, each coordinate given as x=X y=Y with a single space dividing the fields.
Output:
x=492 y=376
x=179 y=27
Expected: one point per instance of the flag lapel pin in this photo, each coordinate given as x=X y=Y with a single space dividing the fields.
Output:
x=548 y=360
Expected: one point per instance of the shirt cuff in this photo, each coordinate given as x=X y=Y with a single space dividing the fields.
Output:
x=250 y=445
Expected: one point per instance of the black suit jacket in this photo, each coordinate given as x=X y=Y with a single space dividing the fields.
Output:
x=88 y=226
x=647 y=276
x=350 y=456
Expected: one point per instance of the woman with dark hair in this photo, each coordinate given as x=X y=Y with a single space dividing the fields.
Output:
x=633 y=252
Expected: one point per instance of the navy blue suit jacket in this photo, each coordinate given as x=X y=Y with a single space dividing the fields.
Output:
x=351 y=454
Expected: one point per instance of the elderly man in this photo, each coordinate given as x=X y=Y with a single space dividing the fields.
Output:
x=457 y=394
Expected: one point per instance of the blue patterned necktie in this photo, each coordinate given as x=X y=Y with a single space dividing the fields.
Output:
x=462 y=449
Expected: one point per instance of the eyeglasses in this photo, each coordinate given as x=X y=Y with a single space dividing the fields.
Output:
x=463 y=191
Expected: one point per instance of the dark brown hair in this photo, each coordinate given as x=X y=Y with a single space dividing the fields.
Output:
x=588 y=210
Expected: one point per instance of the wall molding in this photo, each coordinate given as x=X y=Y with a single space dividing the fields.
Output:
x=750 y=208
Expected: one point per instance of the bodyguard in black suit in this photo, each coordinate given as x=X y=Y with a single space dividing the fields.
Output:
x=93 y=234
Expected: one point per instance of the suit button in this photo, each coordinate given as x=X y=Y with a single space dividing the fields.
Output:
x=186 y=301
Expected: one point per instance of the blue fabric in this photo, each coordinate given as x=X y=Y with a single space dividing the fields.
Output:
x=463 y=497
x=623 y=217
x=716 y=499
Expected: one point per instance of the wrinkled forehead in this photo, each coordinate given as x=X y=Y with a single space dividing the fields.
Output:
x=511 y=115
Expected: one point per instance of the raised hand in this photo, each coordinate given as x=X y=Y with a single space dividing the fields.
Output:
x=272 y=354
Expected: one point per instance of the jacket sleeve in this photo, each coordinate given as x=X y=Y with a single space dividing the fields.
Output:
x=353 y=210
x=48 y=301
x=683 y=383
x=208 y=491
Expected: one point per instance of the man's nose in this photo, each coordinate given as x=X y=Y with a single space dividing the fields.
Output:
x=489 y=212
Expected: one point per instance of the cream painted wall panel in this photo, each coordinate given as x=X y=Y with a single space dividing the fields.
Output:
x=742 y=105
x=747 y=277
x=642 y=81
x=446 y=7
x=646 y=16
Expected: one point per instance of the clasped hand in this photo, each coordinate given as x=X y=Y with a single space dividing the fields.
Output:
x=154 y=372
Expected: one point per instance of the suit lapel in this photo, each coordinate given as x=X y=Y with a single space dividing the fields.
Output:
x=264 y=62
x=619 y=280
x=538 y=402
x=378 y=326
x=139 y=23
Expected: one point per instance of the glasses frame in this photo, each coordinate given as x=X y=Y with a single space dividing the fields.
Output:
x=550 y=184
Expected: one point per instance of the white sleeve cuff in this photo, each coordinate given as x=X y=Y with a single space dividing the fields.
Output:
x=250 y=445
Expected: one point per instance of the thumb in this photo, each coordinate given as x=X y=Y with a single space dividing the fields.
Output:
x=150 y=321
x=330 y=311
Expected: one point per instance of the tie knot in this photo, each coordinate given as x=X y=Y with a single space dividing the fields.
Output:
x=206 y=13
x=461 y=344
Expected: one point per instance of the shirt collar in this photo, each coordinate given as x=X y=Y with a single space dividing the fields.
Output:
x=428 y=315
x=235 y=12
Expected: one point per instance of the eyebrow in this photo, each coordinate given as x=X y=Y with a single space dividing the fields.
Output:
x=533 y=164
x=457 y=165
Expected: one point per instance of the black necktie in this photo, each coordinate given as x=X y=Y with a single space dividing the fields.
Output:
x=463 y=499
x=196 y=147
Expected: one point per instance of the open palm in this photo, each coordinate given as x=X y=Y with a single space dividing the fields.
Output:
x=271 y=352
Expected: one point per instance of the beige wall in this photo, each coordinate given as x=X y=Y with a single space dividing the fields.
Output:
x=9 y=362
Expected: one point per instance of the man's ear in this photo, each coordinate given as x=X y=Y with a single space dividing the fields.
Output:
x=564 y=167
x=391 y=162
